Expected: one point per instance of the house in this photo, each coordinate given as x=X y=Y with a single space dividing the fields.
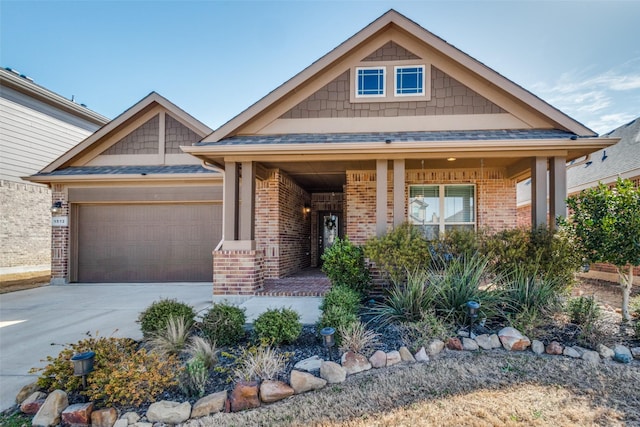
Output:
x=602 y=166
x=36 y=126
x=393 y=125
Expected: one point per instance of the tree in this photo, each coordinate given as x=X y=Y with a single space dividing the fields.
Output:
x=606 y=225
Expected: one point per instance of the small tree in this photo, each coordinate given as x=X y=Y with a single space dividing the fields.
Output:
x=606 y=224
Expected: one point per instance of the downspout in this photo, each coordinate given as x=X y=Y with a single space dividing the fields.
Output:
x=211 y=167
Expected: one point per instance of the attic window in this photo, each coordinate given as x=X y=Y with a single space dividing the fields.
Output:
x=409 y=80
x=370 y=81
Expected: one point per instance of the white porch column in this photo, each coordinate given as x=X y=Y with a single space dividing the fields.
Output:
x=381 y=197
x=557 y=189
x=538 y=191
x=398 y=192
x=248 y=198
x=230 y=202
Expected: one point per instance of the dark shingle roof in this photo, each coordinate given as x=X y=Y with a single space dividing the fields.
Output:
x=323 y=138
x=128 y=170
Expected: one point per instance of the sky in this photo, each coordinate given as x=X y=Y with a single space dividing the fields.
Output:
x=214 y=59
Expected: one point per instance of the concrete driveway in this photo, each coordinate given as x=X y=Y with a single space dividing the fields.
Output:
x=35 y=322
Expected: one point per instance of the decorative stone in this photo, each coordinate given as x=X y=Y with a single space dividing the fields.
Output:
x=571 y=352
x=244 y=396
x=635 y=352
x=591 y=356
x=354 y=363
x=142 y=424
x=405 y=355
x=169 y=412
x=605 y=352
x=393 y=358
x=309 y=364
x=49 y=412
x=434 y=347
x=421 y=356
x=537 y=347
x=131 y=417
x=106 y=417
x=513 y=340
x=579 y=349
x=488 y=342
x=272 y=391
x=378 y=359
x=332 y=372
x=454 y=343
x=122 y=422
x=32 y=404
x=469 y=345
x=26 y=391
x=209 y=404
x=302 y=382
x=622 y=354
x=554 y=348
x=78 y=414
x=463 y=333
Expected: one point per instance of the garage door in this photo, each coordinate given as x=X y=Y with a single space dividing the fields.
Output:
x=147 y=242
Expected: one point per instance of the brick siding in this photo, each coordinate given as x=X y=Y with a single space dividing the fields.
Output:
x=60 y=239
x=238 y=272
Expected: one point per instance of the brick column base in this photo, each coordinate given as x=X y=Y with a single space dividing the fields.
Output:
x=238 y=272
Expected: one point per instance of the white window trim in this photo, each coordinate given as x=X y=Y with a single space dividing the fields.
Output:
x=389 y=81
x=395 y=80
x=442 y=224
x=384 y=82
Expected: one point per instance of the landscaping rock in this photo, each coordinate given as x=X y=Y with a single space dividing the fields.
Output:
x=209 y=404
x=421 y=356
x=354 y=363
x=463 y=333
x=26 y=391
x=571 y=352
x=622 y=354
x=488 y=342
x=309 y=364
x=272 y=391
x=122 y=422
x=405 y=355
x=393 y=358
x=454 y=343
x=537 y=347
x=131 y=417
x=434 y=347
x=469 y=345
x=106 y=417
x=378 y=359
x=32 y=404
x=244 y=396
x=49 y=412
x=169 y=412
x=513 y=340
x=554 y=348
x=332 y=372
x=591 y=356
x=302 y=382
x=579 y=349
x=605 y=352
x=141 y=424
x=78 y=414
x=635 y=352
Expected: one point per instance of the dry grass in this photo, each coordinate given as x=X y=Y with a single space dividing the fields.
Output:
x=463 y=389
x=22 y=281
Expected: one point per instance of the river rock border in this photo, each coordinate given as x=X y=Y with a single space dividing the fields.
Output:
x=54 y=409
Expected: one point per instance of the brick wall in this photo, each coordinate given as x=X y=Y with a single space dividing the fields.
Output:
x=238 y=272
x=60 y=239
x=25 y=227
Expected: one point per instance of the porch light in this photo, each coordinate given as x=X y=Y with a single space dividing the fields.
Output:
x=451 y=159
x=306 y=209
x=473 y=307
x=56 y=207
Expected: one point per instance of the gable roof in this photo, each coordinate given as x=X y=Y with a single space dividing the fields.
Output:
x=399 y=21
x=150 y=101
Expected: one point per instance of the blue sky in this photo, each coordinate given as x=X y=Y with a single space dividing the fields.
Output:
x=216 y=58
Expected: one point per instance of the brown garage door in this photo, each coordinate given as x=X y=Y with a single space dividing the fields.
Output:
x=147 y=242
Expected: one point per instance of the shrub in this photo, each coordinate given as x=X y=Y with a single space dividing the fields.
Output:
x=419 y=333
x=344 y=265
x=193 y=379
x=403 y=249
x=460 y=243
x=202 y=349
x=339 y=309
x=583 y=311
x=277 y=326
x=173 y=338
x=337 y=317
x=406 y=302
x=357 y=338
x=342 y=296
x=224 y=324
x=263 y=362
x=634 y=306
x=156 y=316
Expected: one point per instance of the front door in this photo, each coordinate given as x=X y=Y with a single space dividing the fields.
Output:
x=329 y=229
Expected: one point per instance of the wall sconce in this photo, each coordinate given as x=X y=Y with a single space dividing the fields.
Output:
x=306 y=209
x=56 y=208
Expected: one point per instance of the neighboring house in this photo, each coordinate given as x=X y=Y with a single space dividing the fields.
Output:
x=393 y=125
x=36 y=127
x=603 y=166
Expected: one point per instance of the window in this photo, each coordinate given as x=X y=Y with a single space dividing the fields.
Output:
x=371 y=81
x=438 y=208
x=410 y=80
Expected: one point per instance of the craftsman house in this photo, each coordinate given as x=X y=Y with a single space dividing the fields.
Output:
x=393 y=125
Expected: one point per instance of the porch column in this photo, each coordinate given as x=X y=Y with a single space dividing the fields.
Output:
x=230 y=202
x=381 y=197
x=398 y=192
x=538 y=191
x=248 y=197
x=557 y=189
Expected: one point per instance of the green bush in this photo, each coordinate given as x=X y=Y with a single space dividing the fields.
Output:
x=401 y=250
x=193 y=379
x=337 y=317
x=583 y=311
x=344 y=265
x=419 y=333
x=224 y=324
x=277 y=326
x=339 y=309
x=460 y=243
x=342 y=296
x=154 y=319
x=406 y=302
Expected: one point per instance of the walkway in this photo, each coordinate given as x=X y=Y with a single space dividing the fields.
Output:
x=310 y=282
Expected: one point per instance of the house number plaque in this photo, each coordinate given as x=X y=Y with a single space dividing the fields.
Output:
x=60 y=221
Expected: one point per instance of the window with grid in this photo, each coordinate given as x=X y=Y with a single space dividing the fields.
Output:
x=370 y=81
x=410 y=80
x=438 y=208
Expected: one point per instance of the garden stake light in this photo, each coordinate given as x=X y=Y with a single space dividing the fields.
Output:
x=472 y=311
x=328 y=338
x=83 y=365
